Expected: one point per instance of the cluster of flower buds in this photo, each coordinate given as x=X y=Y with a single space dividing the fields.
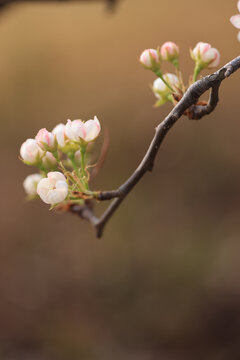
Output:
x=235 y=20
x=170 y=87
x=65 y=148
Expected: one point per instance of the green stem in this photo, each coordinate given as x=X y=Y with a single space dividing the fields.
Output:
x=197 y=70
x=71 y=156
x=43 y=169
x=170 y=98
x=83 y=166
x=175 y=63
x=159 y=74
x=55 y=154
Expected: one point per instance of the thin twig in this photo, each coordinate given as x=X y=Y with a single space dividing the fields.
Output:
x=102 y=156
x=188 y=102
x=3 y=3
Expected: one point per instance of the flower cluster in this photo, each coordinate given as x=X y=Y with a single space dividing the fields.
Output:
x=65 y=148
x=235 y=20
x=170 y=87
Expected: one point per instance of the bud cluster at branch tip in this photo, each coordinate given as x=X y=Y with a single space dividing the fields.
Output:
x=170 y=87
x=65 y=148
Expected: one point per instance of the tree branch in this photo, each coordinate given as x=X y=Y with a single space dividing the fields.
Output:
x=4 y=3
x=187 y=103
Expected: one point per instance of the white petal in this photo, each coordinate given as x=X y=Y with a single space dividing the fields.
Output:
x=31 y=182
x=172 y=79
x=216 y=60
x=235 y=20
x=92 y=128
x=43 y=188
x=56 y=176
x=68 y=129
x=57 y=195
x=59 y=131
x=158 y=85
x=77 y=130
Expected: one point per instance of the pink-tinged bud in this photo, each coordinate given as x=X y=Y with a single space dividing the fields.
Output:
x=49 y=161
x=205 y=55
x=170 y=52
x=30 y=152
x=53 y=189
x=80 y=131
x=235 y=20
x=30 y=184
x=150 y=59
x=46 y=140
x=59 y=132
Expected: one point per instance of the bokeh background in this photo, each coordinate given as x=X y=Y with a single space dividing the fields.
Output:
x=163 y=282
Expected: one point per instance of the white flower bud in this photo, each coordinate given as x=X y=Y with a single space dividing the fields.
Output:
x=150 y=59
x=170 y=51
x=205 y=55
x=160 y=88
x=235 y=19
x=49 y=161
x=31 y=152
x=59 y=132
x=53 y=189
x=80 y=131
x=46 y=140
x=30 y=184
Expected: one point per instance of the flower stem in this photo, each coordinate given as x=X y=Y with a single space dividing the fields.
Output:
x=43 y=169
x=71 y=156
x=159 y=74
x=55 y=154
x=197 y=70
x=83 y=166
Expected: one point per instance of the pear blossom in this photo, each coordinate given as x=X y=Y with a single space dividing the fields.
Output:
x=205 y=55
x=49 y=161
x=30 y=152
x=46 y=140
x=80 y=131
x=30 y=184
x=235 y=20
x=160 y=88
x=59 y=132
x=150 y=59
x=170 y=52
x=53 y=189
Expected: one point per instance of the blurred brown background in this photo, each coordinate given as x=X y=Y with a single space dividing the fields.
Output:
x=163 y=283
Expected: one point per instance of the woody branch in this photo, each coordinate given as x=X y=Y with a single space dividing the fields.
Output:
x=195 y=112
x=4 y=3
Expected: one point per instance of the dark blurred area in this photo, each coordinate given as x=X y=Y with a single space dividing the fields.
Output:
x=163 y=282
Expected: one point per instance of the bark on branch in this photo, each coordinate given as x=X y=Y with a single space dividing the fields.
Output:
x=188 y=102
x=4 y=3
